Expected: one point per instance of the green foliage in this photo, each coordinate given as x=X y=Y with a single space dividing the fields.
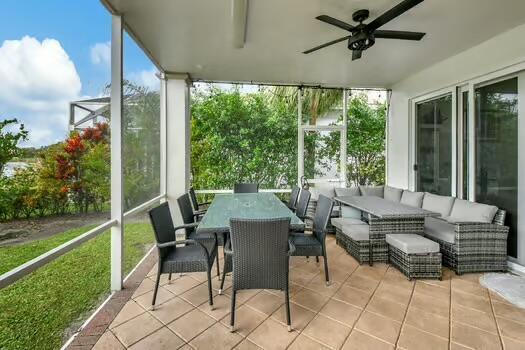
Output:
x=366 y=142
x=37 y=309
x=9 y=141
x=242 y=137
x=141 y=144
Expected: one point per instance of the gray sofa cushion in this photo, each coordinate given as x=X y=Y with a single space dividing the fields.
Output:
x=438 y=204
x=342 y=222
x=377 y=191
x=463 y=210
x=440 y=229
x=393 y=194
x=410 y=243
x=350 y=191
x=414 y=199
x=357 y=232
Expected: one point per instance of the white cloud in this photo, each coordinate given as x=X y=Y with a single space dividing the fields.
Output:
x=101 y=53
x=146 y=78
x=37 y=82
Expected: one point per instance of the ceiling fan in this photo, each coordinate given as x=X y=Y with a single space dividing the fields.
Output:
x=364 y=35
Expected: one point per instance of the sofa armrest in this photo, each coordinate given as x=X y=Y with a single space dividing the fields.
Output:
x=480 y=230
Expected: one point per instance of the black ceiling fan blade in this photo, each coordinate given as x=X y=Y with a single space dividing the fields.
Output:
x=398 y=34
x=327 y=44
x=335 y=22
x=395 y=11
x=356 y=54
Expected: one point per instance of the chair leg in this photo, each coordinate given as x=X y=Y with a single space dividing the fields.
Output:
x=317 y=259
x=288 y=320
x=326 y=274
x=210 y=293
x=217 y=262
x=232 y=311
x=223 y=278
x=169 y=278
x=156 y=288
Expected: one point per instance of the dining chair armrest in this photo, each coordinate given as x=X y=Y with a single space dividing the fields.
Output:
x=228 y=248
x=205 y=203
x=192 y=225
x=174 y=243
x=291 y=246
x=199 y=212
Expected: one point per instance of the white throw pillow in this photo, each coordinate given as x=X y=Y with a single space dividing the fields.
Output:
x=393 y=194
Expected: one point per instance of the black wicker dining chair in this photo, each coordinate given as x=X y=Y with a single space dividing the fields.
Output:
x=302 y=204
x=178 y=256
x=260 y=250
x=314 y=243
x=198 y=208
x=189 y=218
x=292 y=201
x=245 y=188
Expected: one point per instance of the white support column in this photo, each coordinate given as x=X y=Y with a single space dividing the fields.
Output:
x=163 y=135
x=178 y=138
x=300 y=137
x=117 y=231
x=344 y=135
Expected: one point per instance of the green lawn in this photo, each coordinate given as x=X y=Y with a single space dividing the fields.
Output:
x=35 y=311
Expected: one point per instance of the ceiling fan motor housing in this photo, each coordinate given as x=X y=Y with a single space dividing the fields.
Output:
x=361 y=41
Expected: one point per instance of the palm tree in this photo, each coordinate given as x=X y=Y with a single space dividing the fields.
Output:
x=315 y=101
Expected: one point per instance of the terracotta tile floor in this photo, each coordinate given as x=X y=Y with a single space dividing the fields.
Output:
x=364 y=308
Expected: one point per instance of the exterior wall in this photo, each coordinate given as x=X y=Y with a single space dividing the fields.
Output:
x=501 y=55
x=502 y=51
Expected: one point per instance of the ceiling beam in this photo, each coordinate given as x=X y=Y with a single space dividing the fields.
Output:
x=239 y=17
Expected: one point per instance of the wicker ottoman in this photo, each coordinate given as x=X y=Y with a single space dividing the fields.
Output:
x=355 y=239
x=414 y=255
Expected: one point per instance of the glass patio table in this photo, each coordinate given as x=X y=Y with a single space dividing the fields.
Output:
x=261 y=205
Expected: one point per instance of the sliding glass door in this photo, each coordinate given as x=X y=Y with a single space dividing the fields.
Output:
x=496 y=150
x=433 y=166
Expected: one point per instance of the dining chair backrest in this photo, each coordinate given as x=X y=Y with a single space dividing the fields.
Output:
x=245 y=188
x=163 y=228
x=293 y=197
x=193 y=197
x=260 y=253
x=302 y=203
x=186 y=211
x=323 y=211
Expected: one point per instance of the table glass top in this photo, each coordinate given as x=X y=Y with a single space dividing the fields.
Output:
x=246 y=206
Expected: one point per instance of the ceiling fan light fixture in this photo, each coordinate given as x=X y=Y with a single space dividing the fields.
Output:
x=361 y=41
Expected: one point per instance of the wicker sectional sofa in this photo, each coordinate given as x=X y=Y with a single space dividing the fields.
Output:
x=472 y=236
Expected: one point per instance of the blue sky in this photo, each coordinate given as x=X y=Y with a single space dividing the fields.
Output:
x=40 y=76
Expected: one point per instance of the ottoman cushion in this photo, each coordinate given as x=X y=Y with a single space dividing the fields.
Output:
x=412 y=244
x=357 y=232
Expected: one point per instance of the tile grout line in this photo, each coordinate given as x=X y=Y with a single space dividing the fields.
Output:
x=406 y=312
x=318 y=312
x=364 y=307
x=496 y=320
x=450 y=315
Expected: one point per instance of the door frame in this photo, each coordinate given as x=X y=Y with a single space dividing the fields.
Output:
x=412 y=183
x=342 y=146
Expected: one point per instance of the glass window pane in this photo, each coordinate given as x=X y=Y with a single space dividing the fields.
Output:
x=322 y=154
x=465 y=141
x=141 y=128
x=497 y=150
x=434 y=145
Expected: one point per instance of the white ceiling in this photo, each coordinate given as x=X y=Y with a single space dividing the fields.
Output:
x=194 y=36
